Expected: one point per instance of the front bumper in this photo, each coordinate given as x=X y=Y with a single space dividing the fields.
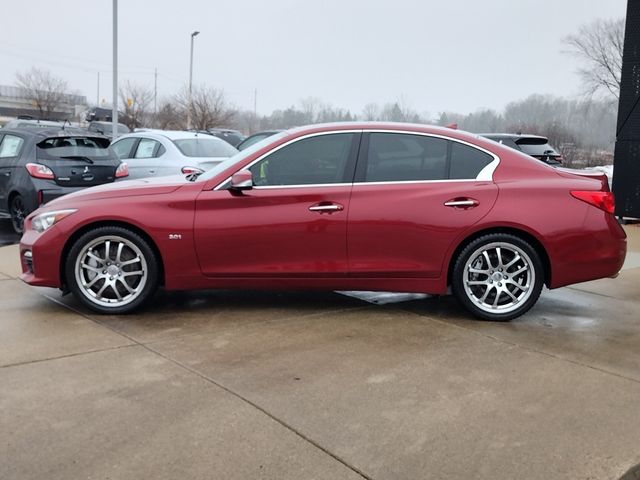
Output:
x=40 y=255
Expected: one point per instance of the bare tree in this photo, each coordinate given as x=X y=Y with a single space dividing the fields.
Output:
x=370 y=112
x=44 y=89
x=170 y=116
x=136 y=100
x=209 y=107
x=600 y=46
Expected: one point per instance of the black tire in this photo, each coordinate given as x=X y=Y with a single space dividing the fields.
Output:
x=18 y=211
x=502 y=293
x=118 y=270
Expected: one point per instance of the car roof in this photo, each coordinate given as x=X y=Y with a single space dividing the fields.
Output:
x=42 y=133
x=170 y=134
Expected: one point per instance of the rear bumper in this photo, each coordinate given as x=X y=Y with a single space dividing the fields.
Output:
x=598 y=253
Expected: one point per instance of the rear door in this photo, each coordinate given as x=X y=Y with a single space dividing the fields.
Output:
x=146 y=161
x=293 y=223
x=412 y=197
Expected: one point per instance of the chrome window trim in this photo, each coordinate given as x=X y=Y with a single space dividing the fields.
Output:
x=485 y=175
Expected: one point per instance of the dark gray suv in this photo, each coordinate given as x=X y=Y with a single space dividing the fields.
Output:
x=38 y=165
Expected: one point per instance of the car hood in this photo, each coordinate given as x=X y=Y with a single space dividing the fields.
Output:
x=125 y=188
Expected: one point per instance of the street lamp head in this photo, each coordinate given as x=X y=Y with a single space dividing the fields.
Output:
x=195 y=33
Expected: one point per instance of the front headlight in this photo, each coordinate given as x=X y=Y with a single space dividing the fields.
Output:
x=48 y=219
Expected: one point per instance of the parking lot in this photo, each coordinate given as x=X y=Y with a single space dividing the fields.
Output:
x=293 y=385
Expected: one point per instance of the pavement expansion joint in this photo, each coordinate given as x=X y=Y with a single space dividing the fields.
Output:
x=76 y=354
x=229 y=390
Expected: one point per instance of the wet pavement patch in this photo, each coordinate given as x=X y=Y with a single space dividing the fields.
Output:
x=632 y=474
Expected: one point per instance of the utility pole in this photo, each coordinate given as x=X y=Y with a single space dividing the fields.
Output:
x=114 y=111
x=190 y=106
x=255 y=110
x=155 y=95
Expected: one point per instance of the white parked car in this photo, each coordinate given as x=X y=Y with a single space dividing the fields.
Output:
x=154 y=153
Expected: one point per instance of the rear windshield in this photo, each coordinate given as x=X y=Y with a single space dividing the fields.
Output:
x=205 y=147
x=65 y=147
x=536 y=146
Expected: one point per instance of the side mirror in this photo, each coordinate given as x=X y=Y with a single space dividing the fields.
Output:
x=242 y=180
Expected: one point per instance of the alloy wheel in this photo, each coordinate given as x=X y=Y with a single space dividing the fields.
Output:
x=111 y=271
x=499 y=277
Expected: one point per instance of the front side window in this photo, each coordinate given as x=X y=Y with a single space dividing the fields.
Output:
x=316 y=160
x=404 y=157
x=122 y=148
x=10 y=146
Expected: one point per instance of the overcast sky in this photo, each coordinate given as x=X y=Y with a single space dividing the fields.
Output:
x=433 y=55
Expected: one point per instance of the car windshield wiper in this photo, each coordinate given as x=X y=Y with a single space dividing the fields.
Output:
x=78 y=157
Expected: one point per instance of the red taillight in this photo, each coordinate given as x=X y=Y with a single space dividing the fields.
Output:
x=40 y=197
x=122 y=170
x=190 y=170
x=39 y=171
x=602 y=200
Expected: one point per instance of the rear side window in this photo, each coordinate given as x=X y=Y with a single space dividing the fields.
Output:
x=69 y=147
x=10 y=146
x=205 y=147
x=397 y=157
x=147 y=148
x=402 y=157
x=466 y=161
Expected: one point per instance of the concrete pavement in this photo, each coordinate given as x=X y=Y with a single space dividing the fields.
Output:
x=320 y=385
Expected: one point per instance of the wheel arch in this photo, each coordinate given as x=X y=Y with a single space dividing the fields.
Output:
x=109 y=223
x=517 y=232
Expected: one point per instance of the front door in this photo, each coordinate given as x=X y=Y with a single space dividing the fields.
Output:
x=292 y=223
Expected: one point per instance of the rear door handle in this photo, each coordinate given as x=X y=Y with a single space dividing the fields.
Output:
x=462 y=203
x=326 y=207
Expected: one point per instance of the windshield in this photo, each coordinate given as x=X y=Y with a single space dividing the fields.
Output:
x=61 y=147
x=240 y=156
x=205 y=147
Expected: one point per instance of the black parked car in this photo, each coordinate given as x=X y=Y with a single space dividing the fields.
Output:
x=255 y=138
x=106 y=128
x=38 y=165
x=234 y=137
x=533 y=145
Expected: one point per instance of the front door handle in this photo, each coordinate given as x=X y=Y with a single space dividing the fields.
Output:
x=326 y=207
x=461 y=202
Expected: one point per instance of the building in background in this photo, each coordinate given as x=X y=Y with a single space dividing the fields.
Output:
x=13 y=104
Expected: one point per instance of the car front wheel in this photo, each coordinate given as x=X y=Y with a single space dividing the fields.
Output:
x=112 y=270
x=498 y=277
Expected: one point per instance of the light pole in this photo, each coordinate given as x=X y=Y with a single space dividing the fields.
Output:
x=114 y=112
x=193 y=35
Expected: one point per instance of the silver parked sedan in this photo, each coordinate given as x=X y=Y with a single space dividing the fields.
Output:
x=151 y=153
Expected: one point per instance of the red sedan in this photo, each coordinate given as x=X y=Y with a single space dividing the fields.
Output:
x=350 y=206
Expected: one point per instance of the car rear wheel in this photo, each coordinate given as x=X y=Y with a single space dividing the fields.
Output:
x=19 y=212
x=112 y=270
x=498 y=277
